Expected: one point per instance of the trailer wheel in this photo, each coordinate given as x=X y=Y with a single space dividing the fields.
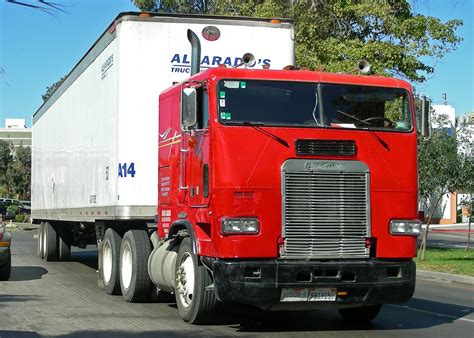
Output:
x=110 y=261
x=50 y=243
x=64 y=250
x=134 y=280
x=360 y=314
x=195 y=304
x=40 y=240
x=6 y=268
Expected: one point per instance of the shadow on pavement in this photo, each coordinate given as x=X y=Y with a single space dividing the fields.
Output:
x=415 y=314
x=12 y=334
x=5 y=299
x=108 y=333
x=26 y=273
x=87 y=257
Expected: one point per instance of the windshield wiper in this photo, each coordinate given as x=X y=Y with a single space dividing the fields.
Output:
x=257 y=126
x=315 y=109
x=371 y=131
x=353 y=117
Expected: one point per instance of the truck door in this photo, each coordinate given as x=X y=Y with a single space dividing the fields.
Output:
x=198 y=154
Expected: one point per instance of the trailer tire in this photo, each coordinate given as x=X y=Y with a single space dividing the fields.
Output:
x=64 y=250
x=360 y=314
x=50 y=243
x=40 y=240
x=110 y=261
x=6 y=268
x=134 y=279
x=196 y=305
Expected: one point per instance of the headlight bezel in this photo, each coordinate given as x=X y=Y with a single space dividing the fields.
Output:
x=240 y=226
x=405 y=227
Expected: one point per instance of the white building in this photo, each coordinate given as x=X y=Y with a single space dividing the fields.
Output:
x=15 y=123
x=16 y=133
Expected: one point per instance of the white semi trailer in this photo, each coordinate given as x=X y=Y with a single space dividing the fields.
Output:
x=95 y=140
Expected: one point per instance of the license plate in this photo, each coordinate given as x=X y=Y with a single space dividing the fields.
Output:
x=294 y=294
x=308 y=294
x=322 y=294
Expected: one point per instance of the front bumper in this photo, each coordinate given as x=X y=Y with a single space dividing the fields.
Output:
x=260 y=282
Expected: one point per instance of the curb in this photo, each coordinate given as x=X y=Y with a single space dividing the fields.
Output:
x=445 y=277
x=20 y=226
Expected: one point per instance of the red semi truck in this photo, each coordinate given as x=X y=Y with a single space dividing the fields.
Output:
x=287 y=189
x=280 y=189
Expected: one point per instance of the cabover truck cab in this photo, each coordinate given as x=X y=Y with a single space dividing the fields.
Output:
x=286 y=189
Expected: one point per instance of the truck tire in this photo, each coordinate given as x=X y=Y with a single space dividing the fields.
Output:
x=134 y=280
x=6 y=268
x=360 y=314
x=196 y=305
x=64 y=250
x=110 y=261
x=40 y=240
x=50 y=243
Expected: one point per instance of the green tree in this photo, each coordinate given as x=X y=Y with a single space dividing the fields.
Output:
x=15 y=171
x=18 y=175
x=5 y=160
x=445 y=165
x=336 y=34
x=50 y=90
x=171 y=6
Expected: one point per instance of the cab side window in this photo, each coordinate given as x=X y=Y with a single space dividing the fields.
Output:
x=202 y=108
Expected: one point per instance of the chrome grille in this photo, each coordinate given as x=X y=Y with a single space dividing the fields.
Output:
x=325 y=209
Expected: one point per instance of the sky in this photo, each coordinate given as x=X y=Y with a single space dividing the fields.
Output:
x=37 y=49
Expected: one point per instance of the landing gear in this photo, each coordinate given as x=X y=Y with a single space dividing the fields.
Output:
x=195 y=303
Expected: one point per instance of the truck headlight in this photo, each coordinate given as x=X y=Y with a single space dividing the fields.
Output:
x=405 y=227
x=234 y=226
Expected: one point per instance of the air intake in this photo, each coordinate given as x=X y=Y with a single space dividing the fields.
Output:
x=326 y=147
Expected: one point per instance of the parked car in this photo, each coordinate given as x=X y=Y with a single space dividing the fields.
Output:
x=26 y=203
x=6 y=215
x=23 y=208
x=5 y=253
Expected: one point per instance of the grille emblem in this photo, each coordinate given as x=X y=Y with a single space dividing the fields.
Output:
x=324 y=165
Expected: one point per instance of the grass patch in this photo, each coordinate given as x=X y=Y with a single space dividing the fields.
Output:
x=456 y=261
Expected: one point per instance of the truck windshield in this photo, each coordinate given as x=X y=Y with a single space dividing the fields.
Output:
x=287 y=103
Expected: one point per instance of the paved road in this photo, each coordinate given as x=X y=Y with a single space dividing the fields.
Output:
x=449 y=236
x=61 y=299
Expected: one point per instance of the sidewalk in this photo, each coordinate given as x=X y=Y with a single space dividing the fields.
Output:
x=450 y=226
x=10 y=225
x=444 y=277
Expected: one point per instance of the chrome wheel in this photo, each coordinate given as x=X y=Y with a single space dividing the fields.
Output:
x=107 y=262
x=126 y=266
x=185 y=280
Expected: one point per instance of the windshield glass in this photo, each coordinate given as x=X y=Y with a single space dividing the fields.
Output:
x=313 y=105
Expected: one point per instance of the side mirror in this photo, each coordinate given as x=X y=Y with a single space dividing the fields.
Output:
x=188 y=108
x=425 y=117
x=422 y=114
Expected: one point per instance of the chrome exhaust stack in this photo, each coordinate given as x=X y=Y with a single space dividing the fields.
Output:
x=195 y=52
